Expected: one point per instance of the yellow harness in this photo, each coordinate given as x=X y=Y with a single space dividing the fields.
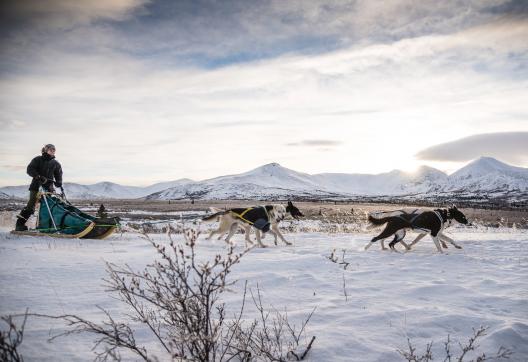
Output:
x=241 y=215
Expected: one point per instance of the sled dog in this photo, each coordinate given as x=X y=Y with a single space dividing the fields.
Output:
x=262 y=218
x=432 y=222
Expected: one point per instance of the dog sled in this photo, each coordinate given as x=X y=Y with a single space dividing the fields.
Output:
x=56 y=217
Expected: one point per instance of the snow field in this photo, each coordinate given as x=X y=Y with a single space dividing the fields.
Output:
x=390 y=297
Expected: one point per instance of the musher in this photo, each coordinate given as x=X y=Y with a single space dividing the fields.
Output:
x=46 y=172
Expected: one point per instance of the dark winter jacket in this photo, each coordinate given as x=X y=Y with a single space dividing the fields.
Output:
x=46 y=166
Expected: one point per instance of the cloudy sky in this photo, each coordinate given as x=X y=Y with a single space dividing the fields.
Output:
x=138 y=91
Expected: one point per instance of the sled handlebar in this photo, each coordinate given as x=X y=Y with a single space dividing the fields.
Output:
x=63 y=195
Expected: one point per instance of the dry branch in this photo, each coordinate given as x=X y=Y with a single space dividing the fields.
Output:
x=470 y=346
x=11 y=339
x=177 y=299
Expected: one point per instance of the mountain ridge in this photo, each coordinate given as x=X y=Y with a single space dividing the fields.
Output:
x=483 y=176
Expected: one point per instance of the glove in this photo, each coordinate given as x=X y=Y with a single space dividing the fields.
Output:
x=58 y=184
x=42 y=179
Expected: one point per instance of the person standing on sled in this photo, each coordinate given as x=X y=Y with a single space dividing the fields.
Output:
x=44 y=169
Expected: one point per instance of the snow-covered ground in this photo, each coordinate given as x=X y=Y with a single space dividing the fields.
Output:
x=390 y=296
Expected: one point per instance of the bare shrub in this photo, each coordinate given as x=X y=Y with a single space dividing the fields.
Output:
x=177 y=298
x=269 y=337
x=470 y=346
x=11 y=339
x=335 y=259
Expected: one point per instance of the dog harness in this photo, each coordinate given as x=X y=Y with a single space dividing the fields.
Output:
x=441 y=220
x=411 y=221
x=260 y=223
x=417 y=214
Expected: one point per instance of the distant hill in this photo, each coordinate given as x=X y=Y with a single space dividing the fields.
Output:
x=100 y=190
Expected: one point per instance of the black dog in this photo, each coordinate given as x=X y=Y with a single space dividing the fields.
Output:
x=430 y=222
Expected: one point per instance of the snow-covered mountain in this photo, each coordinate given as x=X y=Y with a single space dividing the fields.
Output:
x=490 y=175
x=395 y=182
x=483 y=178
x=271 y=175
x=270 y=181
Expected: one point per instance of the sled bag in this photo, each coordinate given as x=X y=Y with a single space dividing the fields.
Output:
x=67 y=219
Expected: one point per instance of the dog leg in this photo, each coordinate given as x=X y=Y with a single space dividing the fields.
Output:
x=398 y=237
x=382 y=243
x=247 y=231
x=248 y=241
x=275 y=228
x=405 y=245
x=263 y=235
x=232 y=231
x=437 y=243
x=212 y=233
x=272 y=233
x=444 y=245
x=257 y=234
x=368 y=245
x=388 y=231
x=372 y=242
x=449 y=240
x=275 y=237
x=418 y=238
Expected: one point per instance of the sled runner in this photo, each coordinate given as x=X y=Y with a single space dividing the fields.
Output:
x=58 y=218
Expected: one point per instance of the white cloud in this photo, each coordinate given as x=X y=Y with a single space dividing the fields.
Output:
x=507 y=146
x=126 y=118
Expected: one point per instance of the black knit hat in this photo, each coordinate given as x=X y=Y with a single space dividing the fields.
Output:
x=47 y=147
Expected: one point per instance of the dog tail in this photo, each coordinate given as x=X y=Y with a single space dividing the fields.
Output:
x=214 y=217
x=377 y=219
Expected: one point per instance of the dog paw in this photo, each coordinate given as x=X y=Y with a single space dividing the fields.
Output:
x=458 y=247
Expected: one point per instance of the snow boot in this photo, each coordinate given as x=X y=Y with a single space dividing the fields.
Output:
x=21 y=224
x=22 y=219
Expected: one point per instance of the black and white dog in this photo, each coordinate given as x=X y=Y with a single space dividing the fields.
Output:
x=263 y=218
x=430 y=222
